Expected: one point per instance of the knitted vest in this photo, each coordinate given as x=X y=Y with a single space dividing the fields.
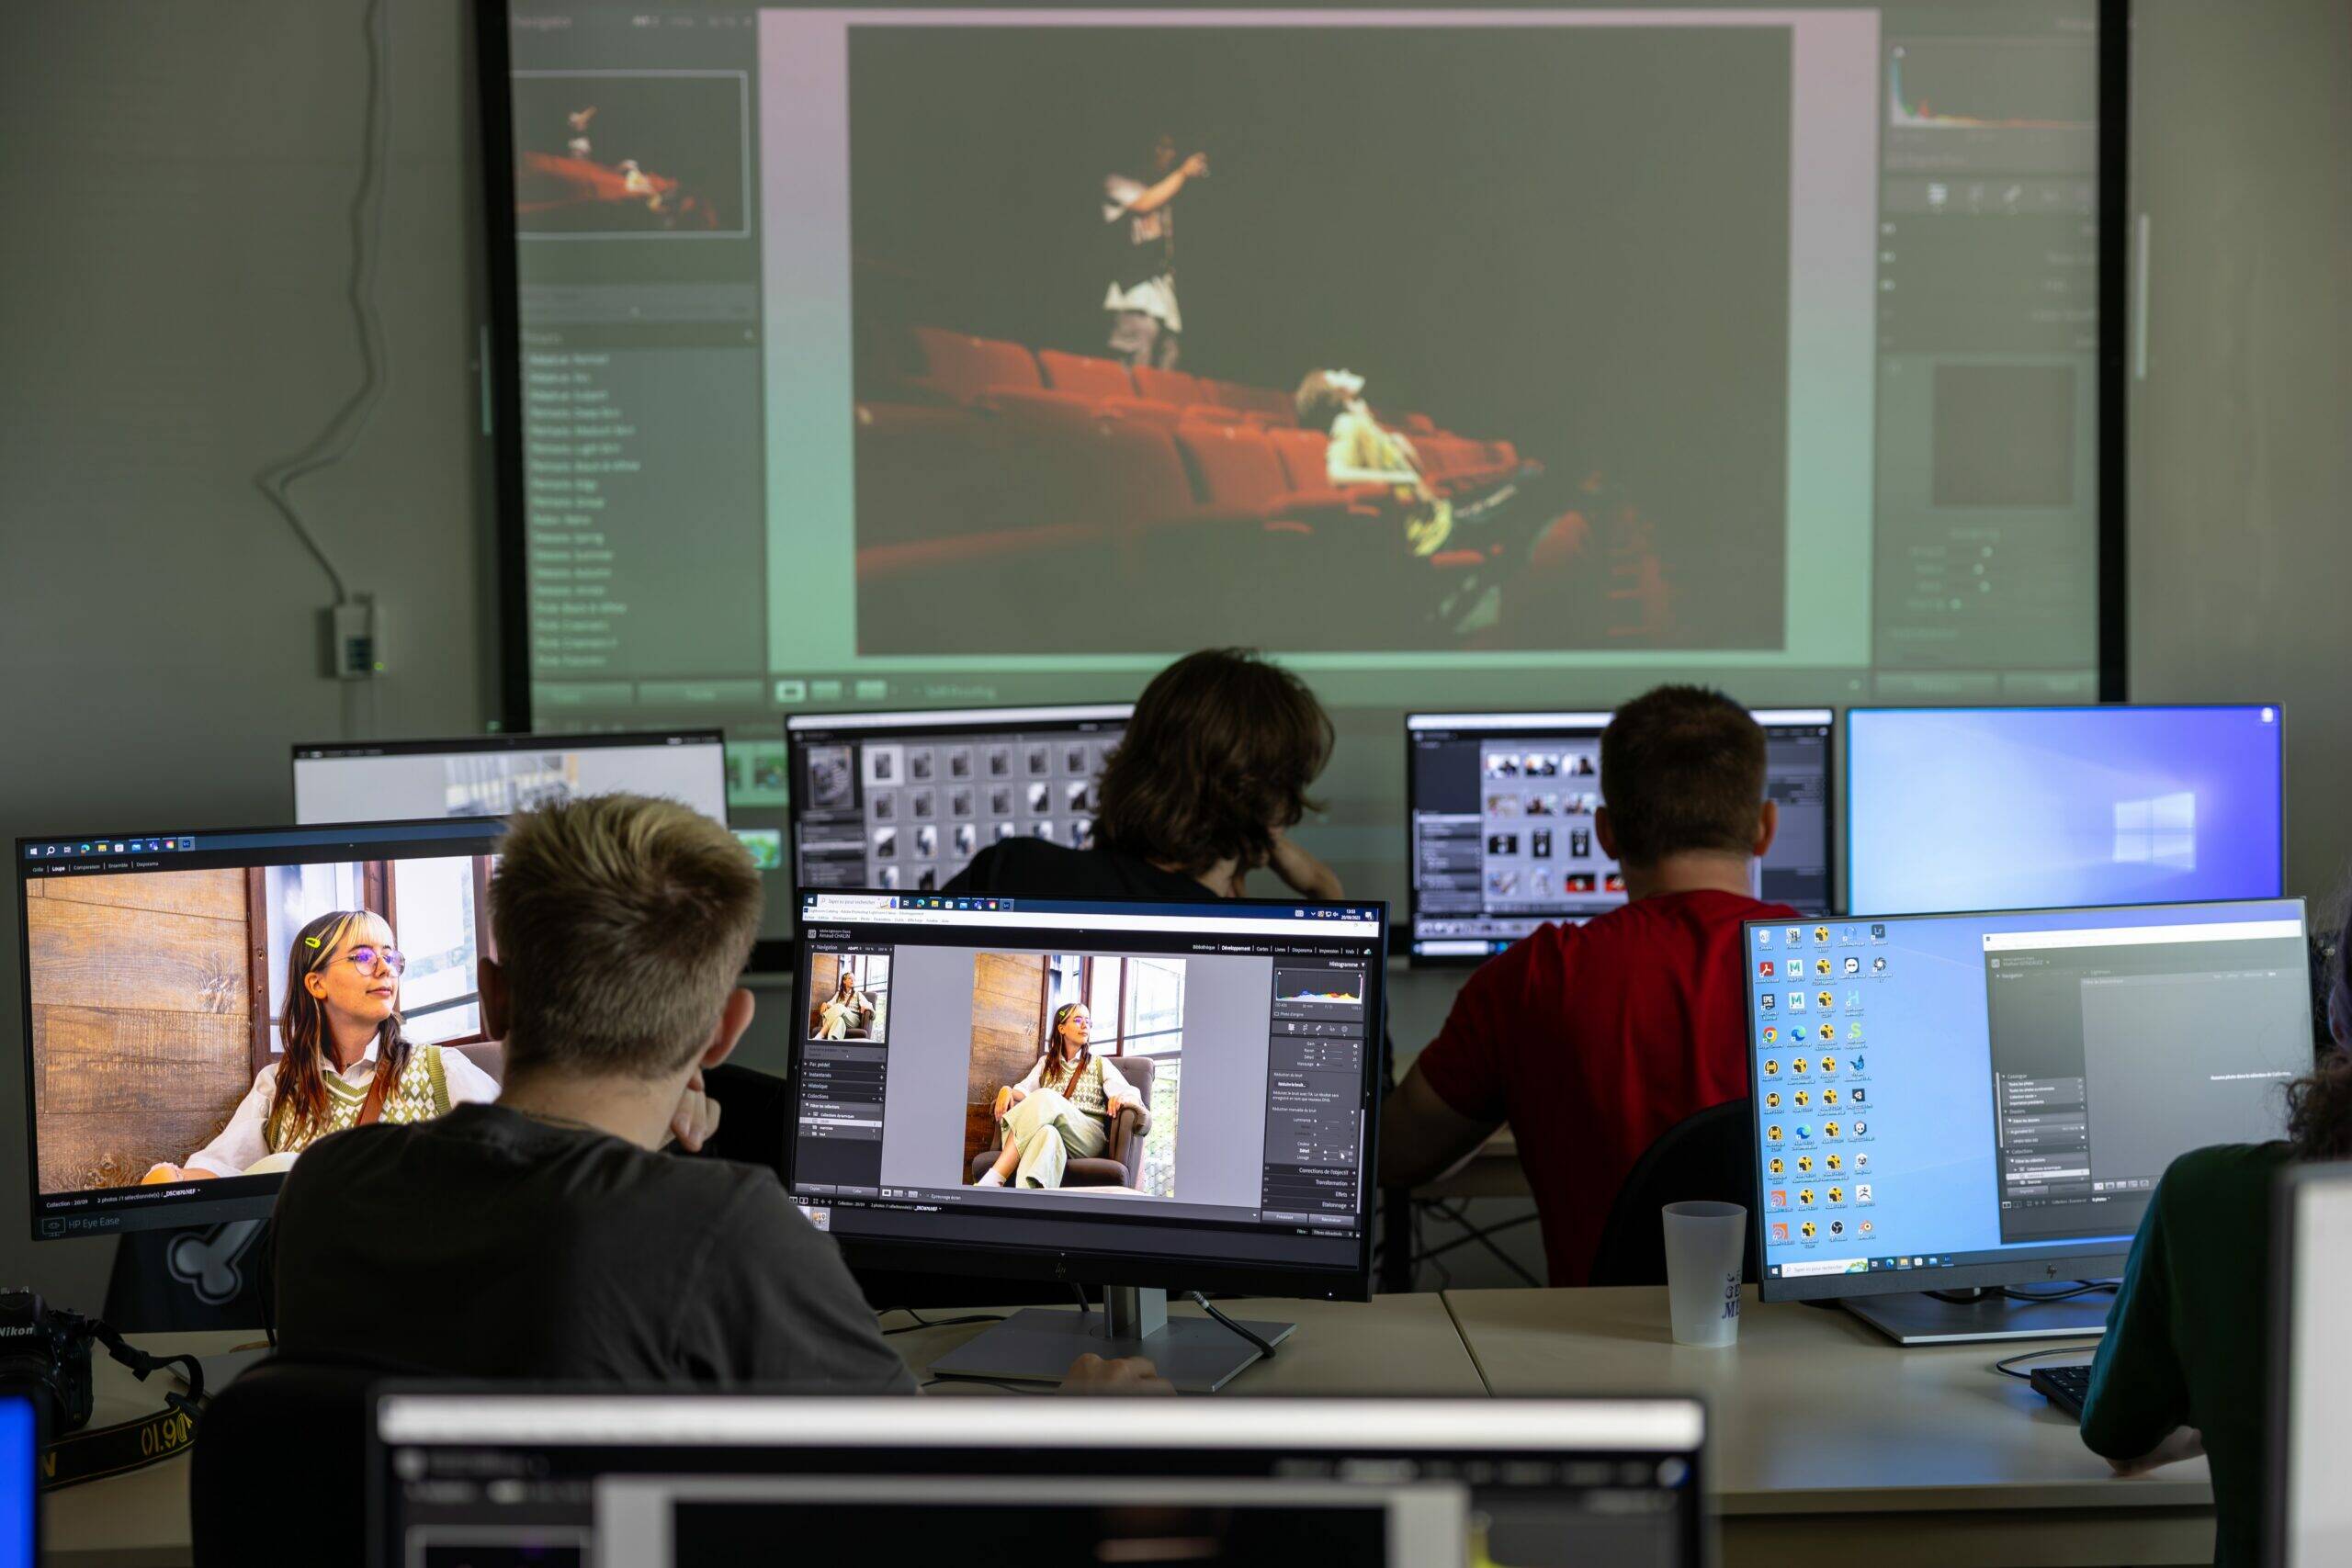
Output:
x=422 y=1094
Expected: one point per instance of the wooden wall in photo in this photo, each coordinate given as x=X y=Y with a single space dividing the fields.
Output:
x=824 y=974
x=142 y=1019
x=1008 y=1016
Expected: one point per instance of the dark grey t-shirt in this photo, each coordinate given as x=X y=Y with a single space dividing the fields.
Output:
x=488 y=1243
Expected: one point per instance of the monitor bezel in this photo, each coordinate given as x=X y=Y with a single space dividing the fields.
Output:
x=2041 y=1268
x=1852 y=856
x=1002 y=1261
x=244 y=1197
x=1596 y=720
x=502 y=425
x=1697 y=1512
x=2280 y=1484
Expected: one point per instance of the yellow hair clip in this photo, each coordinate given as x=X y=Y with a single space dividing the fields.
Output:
x=310 y=941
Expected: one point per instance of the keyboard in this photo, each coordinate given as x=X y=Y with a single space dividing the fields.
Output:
x=2066 y=1387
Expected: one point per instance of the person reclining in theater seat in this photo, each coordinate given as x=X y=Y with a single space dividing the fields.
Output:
x=1364 y=451
x=1203 y=789
x=546 y=1236
x=1592 y=1040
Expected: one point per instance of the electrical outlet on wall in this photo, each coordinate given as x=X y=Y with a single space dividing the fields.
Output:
x=352 y=632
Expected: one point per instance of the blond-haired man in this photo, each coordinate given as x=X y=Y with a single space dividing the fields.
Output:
x=546 y=1235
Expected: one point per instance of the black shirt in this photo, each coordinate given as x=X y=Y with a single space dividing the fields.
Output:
x=1034 y=868
x=491 y=1244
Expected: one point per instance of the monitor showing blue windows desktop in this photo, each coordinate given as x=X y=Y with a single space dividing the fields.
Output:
x=2016 y=808
x=1952 y=1101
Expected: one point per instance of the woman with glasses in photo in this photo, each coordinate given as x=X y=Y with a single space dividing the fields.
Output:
x=344 y=1061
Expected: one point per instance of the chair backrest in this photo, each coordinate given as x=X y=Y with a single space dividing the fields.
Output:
x=1232 y=465
x=1177 y=387
x=1710 y=1156
x=1085 y=375
x=964 y=367
x=1306 y=457
x=278 y=1470
x=489 y=1056
x=1139 y=1071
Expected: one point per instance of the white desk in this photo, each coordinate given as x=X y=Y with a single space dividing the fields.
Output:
x=139 y=1520
x=1824 y=1436
x=1393 y=1345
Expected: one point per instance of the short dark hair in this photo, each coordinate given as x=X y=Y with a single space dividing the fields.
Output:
x=1682 y=770
x=622 y=923
x=1220 y=751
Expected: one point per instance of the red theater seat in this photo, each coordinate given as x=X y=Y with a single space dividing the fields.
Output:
x=964 y=368
x=1086 y=374
x=1175 y=387
x=1236 y=468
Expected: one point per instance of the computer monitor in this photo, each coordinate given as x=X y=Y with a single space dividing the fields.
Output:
x=1245 y=1035
x=1947 y=1101
x=1499 y=822
x=2049 y=807
x=494 y=776
x=20 y=1439
x=483 y=1475
x=2311 y=1381
x=905 y=800
x=156 y=966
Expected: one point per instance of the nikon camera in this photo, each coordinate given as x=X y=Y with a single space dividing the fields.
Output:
x=49 y=1353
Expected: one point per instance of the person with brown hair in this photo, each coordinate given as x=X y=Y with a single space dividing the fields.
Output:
x=1203 y=789
x=1593 y=1040
x=549 y=1235
x=2187 y=1354
x=344 y=1060
x=1063 y=1108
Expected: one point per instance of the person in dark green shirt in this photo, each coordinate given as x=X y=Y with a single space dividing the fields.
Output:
x=2185 y=1364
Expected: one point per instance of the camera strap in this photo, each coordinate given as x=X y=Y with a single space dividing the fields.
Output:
x=95 y=1452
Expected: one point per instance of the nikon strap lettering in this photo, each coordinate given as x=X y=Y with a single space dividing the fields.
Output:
x=95 y=1452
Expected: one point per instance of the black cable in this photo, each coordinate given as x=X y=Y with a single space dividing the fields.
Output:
x=1205 y=1305
x=1458 y=1215
x=1084 y=1306
x=2080 y=1288
x=992 y=1382
x=332 y=443
x=922 y=1322
x=2003 y=1367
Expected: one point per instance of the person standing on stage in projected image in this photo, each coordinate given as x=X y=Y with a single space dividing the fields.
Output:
x=1145 y=322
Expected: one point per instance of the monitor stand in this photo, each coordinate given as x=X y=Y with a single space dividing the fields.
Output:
x=1915 y=1317
x=1199 y=1355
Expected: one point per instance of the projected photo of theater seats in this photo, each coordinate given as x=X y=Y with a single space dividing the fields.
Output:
x=1170 y=363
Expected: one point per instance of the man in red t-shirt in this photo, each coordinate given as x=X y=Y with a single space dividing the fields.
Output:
x=1593 y=1040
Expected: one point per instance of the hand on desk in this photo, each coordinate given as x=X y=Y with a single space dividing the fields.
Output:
x=1129 y=1374
x=2186 y=1442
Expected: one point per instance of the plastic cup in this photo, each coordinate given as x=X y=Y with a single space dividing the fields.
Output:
x=1705 y=1244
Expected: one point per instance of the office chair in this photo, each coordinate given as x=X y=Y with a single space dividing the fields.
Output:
x=1710 y=1156
x=279 y=1472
